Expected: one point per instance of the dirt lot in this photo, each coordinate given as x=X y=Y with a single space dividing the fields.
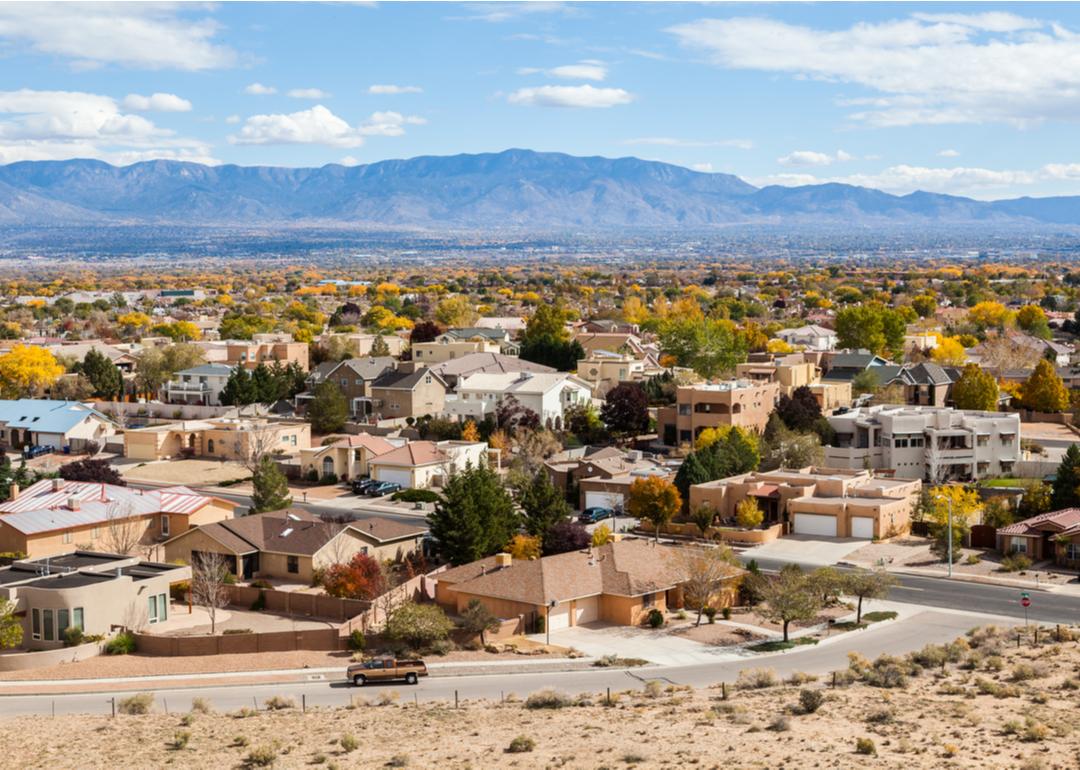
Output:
x=718 y=634
x=1013 y=708
x=194 y=472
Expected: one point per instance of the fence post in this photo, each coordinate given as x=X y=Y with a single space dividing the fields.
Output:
x=303 y=703
x=255 y=702
x=1036 y=637
x=165 y=701
x=113 y=707
x=455 y=699
x=834 y=680
x=609 y=696
x=723 y=690
x=54 y=709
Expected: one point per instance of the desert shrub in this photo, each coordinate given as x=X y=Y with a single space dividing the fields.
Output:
x=547 y=699
x=801 y=677
x=1070 y=684
x=261 y=756
x=1012 y=727
x=1040 y=697
x=865 y=746
x=1034 y=731
x=139 y=703
x=655 y=618
x=441 y=647
x=279 y=703
x=200 y=706
x=240 y=741
x=881 y=716
x=710 y=613
x=398 y=760
x=810 y=700
x=348 y=743
x=844 y=677
x=121 y=644
x=930 y=656
x=780 y=723
x=1015 y=562
x=885 y=671
x=180 y=740
x=187 y=720
x=878 y=616
x=388 y=698
x=998 y=690
x=654 y=688
x=357 y=642
x=950 y=749
x=973 y=558
x=756 y=679
x=994 y=663
x=1025 y=672
x=521 y=745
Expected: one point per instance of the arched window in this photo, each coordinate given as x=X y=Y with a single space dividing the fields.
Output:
x=327 y=466
x=191 y=441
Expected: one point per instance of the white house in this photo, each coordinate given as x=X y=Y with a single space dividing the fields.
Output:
x=812 y=337
x=37 y=422
x=198 y=385
x=420 y=464
x=546 y=394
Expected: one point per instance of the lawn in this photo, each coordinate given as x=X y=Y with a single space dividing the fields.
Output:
x=1007 y=482
x=778 y=645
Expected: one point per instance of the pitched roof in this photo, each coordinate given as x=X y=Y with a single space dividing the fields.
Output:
x=523 y=382
x=491 y=333
x=413 y=454
x=213 y=370
x=1066 y=519
x=404 y=380
x=45 y=416
x=366 y=368
x=490 y=363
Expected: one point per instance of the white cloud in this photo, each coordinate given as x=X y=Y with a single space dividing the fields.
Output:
x=496 y=12
x=669 y=141
x=925 y=69
x=232 y=120
x=814 y=158
x=309 y=93
x=147 y=35
x=389 y=89
x=158 y=102
x=705 y=168
x=949 y=154
x=258 y=89
x=320 y=126
x=349 y=160
x=584 y=70
x=570 y=96
x=54 y=125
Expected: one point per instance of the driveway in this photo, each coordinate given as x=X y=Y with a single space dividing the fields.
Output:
x=656 y=646
x=806 y=549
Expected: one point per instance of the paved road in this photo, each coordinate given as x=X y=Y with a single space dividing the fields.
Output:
x=892 y=638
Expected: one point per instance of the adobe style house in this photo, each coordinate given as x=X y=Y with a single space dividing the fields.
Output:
x=59 y=424
x=292 y=544
x=603 y=370
x=94 y=592
x=738 y=403
x=811 y=337
x=826 y=502
x=1054 y=535
x=615 y=583
x=265 y=348
x=55 y=516
x=346 y=457
x=353 y=377
x=421 y=464
x=224 y=438
x=408 y=391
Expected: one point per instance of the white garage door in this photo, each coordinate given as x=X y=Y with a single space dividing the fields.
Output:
x=396 y=475
x=586 y=610
x=862 y=526
x=602 y=500
x=813 y=524
x=559 y=617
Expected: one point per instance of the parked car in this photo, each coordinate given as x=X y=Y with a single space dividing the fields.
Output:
x=386 y=670
x=361 y=486
x=383 y=488
x=595 y=514
x=30 y=452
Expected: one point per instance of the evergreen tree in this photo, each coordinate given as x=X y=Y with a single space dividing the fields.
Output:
x=6 y=476
x=692 y=471
x=328 y=410
x=475 y=517
x=1067 y=480
x=102 y=374
x=265 y=388
x=542 y=504
x=238 y=390
x=379 y=347
x=270 y=487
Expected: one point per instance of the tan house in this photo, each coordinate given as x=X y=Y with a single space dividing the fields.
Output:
x=615 y=583
x=421 y=464
x=346 y=457
x=260 y=349
x=56 y=516
x=613 y=342
x=1053 y=535
x=448 y=348
x=360 y=344
x=825 y=502
x=353 y=378
x=600 y=476
x=226 y=438
x=603 y=370
x=409 y=391
x=738 y=403
x=292 y=544
x=94 y=592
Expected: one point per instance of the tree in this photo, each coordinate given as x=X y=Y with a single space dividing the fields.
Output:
x=469 y=431
x=868 y=584
x=1002 y=353
x=456 y=312
x=997 y=513
x=1037 y=498
x=583 y=421
x=872 y=327
x=360 y=578
x=976 y=389
x=828 y=582
x=565 y=536
x=654 y=499
x=71 y=388
x=418 y=625
x=626 y=409
x=476 y=618
x=328 y=409
x=11 y=630
x=511 y=414
x=270 y=488
x=925 y=305
x=602 y=535
x=542 y=504
x=785 y=448
x=705 y=571
x=103 y=374
x=425 y=331
x=524 y=547
x=156 y=366
x=965 y=504
x=865 y=381
x=475 y=517
x=210 y=584
x=238 y=390
x=748 y=513
x=703 y=517
x=1066 y=484
x=124 y=529
x=1032 y=319
x=94 y=471
x=558 y=354
x=949 y=352
x=710 y=346
x=1044 y=390
x=788 y=597
x=27 y=371
x=800 y=410
x=379 y=347
x=987 y=315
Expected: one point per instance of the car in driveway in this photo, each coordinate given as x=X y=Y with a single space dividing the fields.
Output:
x=595 y=514
x=383 y=488
x=361 y=486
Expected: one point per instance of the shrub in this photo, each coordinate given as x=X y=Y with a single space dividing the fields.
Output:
x=139 y=703
x=260 y=602
x=1015 y=562
x=878 y=616
x=279 y=703
x=200 y=706
x=236 y=631
x=178 y=591
x=655 y=618
x=180 y=740
x=654 y=688
x=710 y=613
x=810 y=700
x=73 y=636
x=989 y=687
x=1024 y=672
x=1034 y=731
x=388 y=698
x=187 y=720
x=357 y=642
x=262 y=756
x=801 y=677
x=398 y=760
x=348 y=743
x=121 y=644
x=416 y=496
x=865 y=746
x=547 y=699
x=780 y=723
x=881 y=716
x=756 y=679
x=441 y=647
x=418 y=625
x=950 y=749
x=725 y=613
x=930 y=656
x=521 y=745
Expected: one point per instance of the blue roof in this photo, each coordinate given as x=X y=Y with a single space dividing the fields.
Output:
x=45 y=416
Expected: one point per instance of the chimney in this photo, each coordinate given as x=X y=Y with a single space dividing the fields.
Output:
x=503 y=560
x=73 y=503
x=57 y=485
x=13 y=492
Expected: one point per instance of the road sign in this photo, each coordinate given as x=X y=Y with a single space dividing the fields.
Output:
x=1025 y=602
x=1025 y=595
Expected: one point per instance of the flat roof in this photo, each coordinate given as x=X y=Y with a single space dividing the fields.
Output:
x=78 y=560
x=10 y=575
x=73 y=580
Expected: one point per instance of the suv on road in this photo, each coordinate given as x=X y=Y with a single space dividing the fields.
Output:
x=386 y=670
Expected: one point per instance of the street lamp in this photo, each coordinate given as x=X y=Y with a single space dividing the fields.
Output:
x=949 y=501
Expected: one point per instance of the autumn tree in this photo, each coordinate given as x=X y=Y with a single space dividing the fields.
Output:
x=425 y=331
x=976 y=389
x=965 y=504
x=456 y=312
x=11 y=630
x=524 y=547
x=949 y=352
x=155 y=366
x=26 y=371
x=626 y=409
x=360 y=578
x=476 y=618
x=1044 y=390
x=1032 y=319
x=653 y=499
x=788 y=597
x=705 y=570
x=748 y=513
x=703 y=517
x=566 y=535
x=94 y=471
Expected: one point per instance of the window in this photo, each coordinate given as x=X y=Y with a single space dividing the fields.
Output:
x=647 y=600
x=77 y=618
x=164 y=525
x=684 y=409
x=1072 y=551
x=67 y=536
x=152 y=613
x=1019 y=545
x=35 y=620
x=95 y=533
x=63 y=620
x=49 y=634
x=158 y=609
x=293 y=564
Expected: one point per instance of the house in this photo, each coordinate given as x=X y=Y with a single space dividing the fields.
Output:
x=1030 y=347
x=738 y=403
x=923 y=384
x=935 y=444
x=619 y=583
x=826 y=502
x=600 y=476
x=268 y=348
x=1053 y=535
x=455 y=343
x=360 y=344
x=548 y=395
x=611 y=342
x=200 y=385
x=488 y=363
x=609 y=326
x=789 y=372
x=346 y=457
x=94 y=592
x=421 y=464
x=811 y=337
x=123 y=359
x=410 y=390
x=512 y=325
x=353 y=377
x=59 y=424
x=293 y=544
x=846 y=365
x=603 y=370
x=223 y=438
x=55 y=516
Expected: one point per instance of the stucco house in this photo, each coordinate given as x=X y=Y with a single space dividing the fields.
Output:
x=421 y=464
x=811 y=337
x=42 y=422
x=1052 y=535
x=225 y=438
x=198 y=385
x=353 y=377
x=408 y=391
x=548 y=395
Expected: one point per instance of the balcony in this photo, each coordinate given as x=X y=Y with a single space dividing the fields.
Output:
x=179 y=386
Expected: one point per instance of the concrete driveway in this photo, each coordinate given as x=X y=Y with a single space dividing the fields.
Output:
x=656 y=646
x=806 y=549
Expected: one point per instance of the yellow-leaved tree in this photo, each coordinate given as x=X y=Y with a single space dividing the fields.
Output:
x=965 y=503
x=27 y=371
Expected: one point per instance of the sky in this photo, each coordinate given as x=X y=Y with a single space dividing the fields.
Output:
x=971 y=99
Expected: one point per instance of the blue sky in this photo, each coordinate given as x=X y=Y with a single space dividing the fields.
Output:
x=972 y=99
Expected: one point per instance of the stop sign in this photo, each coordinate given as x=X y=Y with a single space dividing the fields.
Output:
x=1025 y=602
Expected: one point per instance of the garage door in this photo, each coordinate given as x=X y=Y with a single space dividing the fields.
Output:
x=813 y=524
x=602 y=500
x=396 y=475
x=862 y=526
x=559 y=617
x=586 y=610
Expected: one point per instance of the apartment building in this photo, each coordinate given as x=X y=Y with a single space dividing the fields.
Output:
x=738 y=403
x=260 y=349
x=935 y=444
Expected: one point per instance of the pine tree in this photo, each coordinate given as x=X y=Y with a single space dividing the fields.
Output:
x=102 y=374
x=328 y=410
x=542 y=504
x=1067 y=480
x=238 y=390
x=475 y=517
x=264 y=386
x=379 y=347
x=270 y=487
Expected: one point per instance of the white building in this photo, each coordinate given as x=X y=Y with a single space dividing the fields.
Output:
x=40 y=422
x=931 y=443
x=198 y=385
x=421 y=464
x=546 y=394
x=812 y=337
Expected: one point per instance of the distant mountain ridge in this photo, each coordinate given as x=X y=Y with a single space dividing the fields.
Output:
x=511 y=189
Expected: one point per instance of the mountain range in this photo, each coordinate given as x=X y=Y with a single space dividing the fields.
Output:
x=518 y=189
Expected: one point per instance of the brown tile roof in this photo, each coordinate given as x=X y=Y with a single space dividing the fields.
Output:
x=1064 y=519
x=377 y=445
